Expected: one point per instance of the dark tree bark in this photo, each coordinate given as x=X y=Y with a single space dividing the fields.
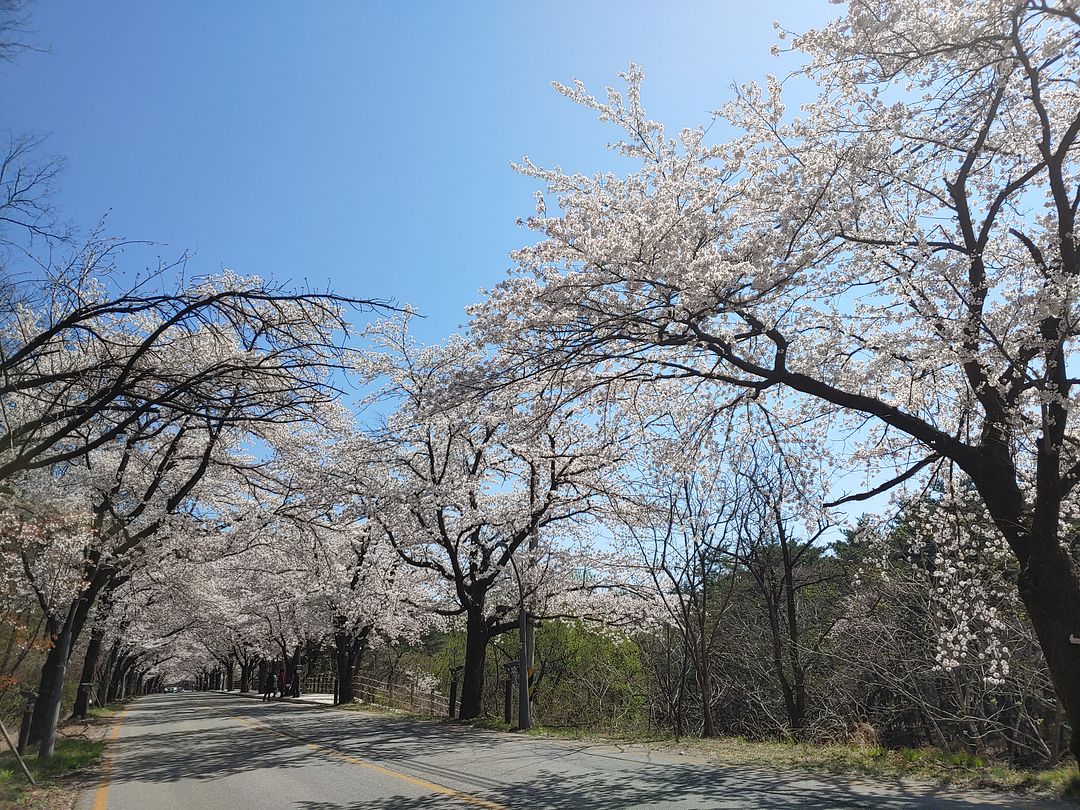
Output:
x=797 y=703
x=348 y=647
x=89 y=670
x=50 y=689
x=105 y=684
x=51 y=681
x=1050 y=591
x=472 y=679
x=264 y=674
x=704 y=680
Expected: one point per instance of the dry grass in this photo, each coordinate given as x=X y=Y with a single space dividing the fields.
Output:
x=918 y=764
x=923 y=765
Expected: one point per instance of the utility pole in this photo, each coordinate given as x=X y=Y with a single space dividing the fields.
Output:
x=524 y=709
x=526 y=621
x=530 y=624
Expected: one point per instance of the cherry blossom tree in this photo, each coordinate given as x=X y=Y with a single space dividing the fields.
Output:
x=941 y=634
x=154 y=461
x=468 y=489
x=82 y=362
x=134 y=494
x=367 y=593
x=898 y=260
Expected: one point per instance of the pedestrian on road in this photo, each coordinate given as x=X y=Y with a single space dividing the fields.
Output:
x=271 y=687
x=282 y=681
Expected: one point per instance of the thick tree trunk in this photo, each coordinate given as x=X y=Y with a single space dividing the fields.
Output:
x=1050 y=589
x=472 y=679
x=51 y=684
x=245 y=676
x=347 y=648
x=50 y=693
x=105 y=685
x=118 y=690
x=1048 y=583
x=346 y=669
x=86 y=680
x=291 y=674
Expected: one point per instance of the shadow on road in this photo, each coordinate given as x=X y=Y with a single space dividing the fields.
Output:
x=511 y=771
x=661 y=788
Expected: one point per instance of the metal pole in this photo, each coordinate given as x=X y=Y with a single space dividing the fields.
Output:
x=24 y=727
x=15 y=751
x=524 y=715
x=530 y=655
x=530 y=638
x=453 y=690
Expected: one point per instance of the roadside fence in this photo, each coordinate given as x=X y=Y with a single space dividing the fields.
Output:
x=404 y=695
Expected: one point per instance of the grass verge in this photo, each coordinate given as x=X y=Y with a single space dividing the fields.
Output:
x=99 y=714
x=919 y=764
x=71 y=756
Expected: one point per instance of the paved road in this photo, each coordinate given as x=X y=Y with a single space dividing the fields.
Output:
x=199 y=750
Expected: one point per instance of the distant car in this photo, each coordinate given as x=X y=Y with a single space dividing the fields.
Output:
x=171 y=689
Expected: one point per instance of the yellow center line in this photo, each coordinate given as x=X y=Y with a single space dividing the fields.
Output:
x=101 y=797
x=371 y=766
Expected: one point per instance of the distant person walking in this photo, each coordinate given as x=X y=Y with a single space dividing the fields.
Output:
x=271 y=687
x=282 y=681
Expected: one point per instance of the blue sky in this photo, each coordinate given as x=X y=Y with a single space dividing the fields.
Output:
x=364 y=145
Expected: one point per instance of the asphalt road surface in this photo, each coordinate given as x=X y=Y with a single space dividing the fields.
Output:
x=201 y=750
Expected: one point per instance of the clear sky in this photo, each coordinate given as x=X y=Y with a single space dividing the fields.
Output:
x=364 y=144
